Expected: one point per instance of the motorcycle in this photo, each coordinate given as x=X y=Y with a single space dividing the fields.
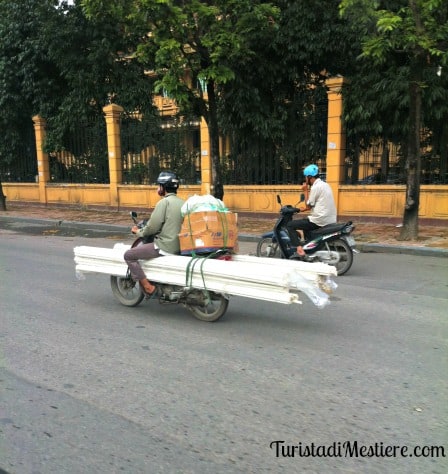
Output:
x=205 y=305
x=204 y=283
x=331 y=244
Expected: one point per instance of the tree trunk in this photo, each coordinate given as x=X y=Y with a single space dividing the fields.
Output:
x=2 y=199
x=409 y=231
x=218 y=187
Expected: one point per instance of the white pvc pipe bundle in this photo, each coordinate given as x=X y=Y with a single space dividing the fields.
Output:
x=252 y=277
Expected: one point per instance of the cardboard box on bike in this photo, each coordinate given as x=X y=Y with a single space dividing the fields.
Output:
x=207 y=231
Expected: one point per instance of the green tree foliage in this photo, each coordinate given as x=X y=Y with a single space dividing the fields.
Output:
x=56 y=63
x=92 y=59
x=273 y=91
x=405 y=44
x=245 y=66
x=192 y=48
x=23 y=68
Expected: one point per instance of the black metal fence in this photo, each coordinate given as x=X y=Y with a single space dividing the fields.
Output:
x=152 y=144
x=84 y=157
x=255 y=161
x=384 y=162
x=19 y=164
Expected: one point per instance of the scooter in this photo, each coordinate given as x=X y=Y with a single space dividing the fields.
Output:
x=331 y=244
x=203 y=304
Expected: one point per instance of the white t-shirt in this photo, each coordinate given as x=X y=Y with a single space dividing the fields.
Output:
x=321 y=201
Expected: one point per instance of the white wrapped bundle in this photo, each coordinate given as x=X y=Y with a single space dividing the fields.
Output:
x=203 y=203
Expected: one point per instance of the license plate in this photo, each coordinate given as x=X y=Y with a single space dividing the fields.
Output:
x=351 y=241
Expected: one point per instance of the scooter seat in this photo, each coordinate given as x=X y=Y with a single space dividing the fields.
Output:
x=328 y=229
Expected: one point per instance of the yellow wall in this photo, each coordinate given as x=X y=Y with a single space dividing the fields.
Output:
x=27 y=192
x=385 y=201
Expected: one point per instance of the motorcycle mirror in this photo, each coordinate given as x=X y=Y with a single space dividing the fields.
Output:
x=133 y=216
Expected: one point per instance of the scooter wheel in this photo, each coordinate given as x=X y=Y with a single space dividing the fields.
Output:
x=126 y=290
x=267 y=248
x=345 y=255
x=209 y=307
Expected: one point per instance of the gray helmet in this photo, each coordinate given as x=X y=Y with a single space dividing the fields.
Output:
x=168 y=180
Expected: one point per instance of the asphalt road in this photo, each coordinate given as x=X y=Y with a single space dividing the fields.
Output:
x=89 y=386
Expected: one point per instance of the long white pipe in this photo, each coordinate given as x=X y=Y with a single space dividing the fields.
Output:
x=252 y=277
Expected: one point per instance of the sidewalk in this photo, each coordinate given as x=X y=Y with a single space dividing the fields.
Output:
x=370 y=237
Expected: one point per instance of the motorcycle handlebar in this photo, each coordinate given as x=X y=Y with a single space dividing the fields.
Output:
x=140 y=224
x=289 y=209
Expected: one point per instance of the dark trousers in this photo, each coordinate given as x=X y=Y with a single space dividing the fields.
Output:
x=299 y=224
x=141 y=252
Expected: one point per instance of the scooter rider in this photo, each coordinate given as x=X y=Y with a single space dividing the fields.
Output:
x=321 y=203
x=164 y=225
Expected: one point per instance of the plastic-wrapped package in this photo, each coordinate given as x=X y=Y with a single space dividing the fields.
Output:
x=327 y=284
x=80 y=275
x=319 y=297
x=202 y=203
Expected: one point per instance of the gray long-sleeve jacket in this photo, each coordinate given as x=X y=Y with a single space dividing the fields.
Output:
x=165 y=221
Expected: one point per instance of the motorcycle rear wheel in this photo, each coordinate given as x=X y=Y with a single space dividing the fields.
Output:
x=214 y=306
x=345 y=253
x=126 y=290
x=267 y=248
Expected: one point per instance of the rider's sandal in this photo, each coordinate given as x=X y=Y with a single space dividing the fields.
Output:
x=299 y=254
x=149 y=295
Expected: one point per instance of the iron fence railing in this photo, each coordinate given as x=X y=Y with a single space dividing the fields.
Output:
x=384 y=162
x=152 y=144
x=255 y=161
x=84 y=155
x=19 y=164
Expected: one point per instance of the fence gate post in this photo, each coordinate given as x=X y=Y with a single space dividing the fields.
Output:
x=336 y=146
x=112 y=113
x=206 y=162
x=43 y=163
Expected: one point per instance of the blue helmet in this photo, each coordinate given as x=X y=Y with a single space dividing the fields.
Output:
x=311 y=170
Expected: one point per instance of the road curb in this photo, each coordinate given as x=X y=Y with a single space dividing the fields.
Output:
x=69 y=224
x=112 y=228
x=399 y=249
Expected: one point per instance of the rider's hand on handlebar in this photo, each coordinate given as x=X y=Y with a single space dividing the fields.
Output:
x=134 y=229
x=301 y=209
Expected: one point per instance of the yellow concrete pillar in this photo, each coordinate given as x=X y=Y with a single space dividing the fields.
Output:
x=43 y=164
x=336 y=147
x=113 y=113
x=206 y=162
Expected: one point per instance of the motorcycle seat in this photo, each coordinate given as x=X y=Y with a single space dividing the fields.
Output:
x=328 y=229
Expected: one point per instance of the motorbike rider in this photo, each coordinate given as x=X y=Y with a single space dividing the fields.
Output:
x=319 y=199
x=164 y=225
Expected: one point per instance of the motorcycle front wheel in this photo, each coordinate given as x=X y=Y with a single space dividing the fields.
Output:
x=208 y=306
x=345 y=255
x=267 y=248
x=126 y=290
